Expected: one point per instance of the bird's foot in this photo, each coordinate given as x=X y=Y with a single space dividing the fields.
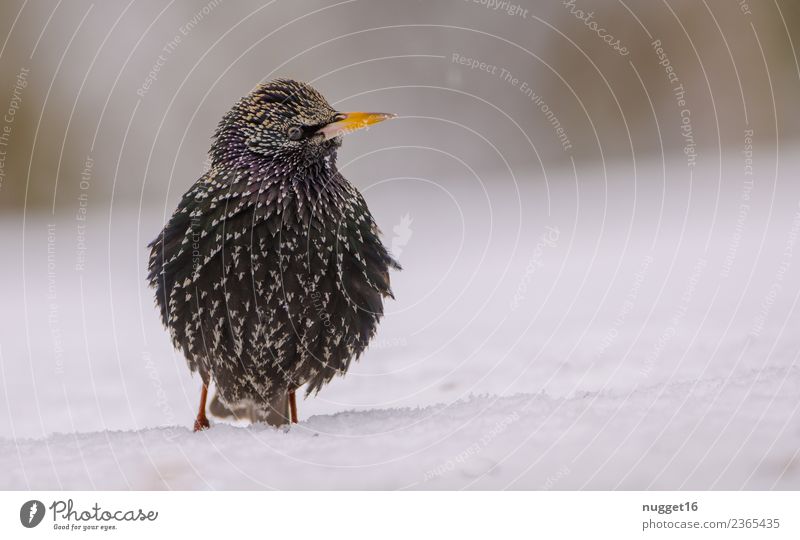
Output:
x=201 y=423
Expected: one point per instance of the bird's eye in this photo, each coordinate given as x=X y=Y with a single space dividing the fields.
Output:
x=339 y=117
x=294 y=133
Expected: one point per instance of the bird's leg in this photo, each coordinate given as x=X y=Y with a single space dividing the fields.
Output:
x=293 y=406
x=201 y=422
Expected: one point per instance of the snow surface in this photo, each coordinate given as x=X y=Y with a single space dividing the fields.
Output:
x=650 y=343
x=667 y=438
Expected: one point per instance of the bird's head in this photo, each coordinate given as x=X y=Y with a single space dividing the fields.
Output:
x=288 y=122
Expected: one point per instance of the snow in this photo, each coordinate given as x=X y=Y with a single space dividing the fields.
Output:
x=664 y=438
x=606 y=337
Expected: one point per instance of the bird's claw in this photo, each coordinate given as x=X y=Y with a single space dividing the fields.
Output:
x=200 y=424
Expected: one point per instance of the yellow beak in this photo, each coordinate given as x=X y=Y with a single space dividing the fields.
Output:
x=353 y=121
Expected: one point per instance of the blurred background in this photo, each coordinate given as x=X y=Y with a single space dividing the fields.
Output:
x=586 y=195
x=109 y=81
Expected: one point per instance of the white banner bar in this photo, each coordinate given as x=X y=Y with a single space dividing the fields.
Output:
x=371 y=515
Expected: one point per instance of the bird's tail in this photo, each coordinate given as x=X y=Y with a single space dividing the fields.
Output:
x=277 y=413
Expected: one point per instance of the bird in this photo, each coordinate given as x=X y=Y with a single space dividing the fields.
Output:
x=271 y=273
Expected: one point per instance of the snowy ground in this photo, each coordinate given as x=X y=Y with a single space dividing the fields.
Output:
x=661 y=438
x=628 y=336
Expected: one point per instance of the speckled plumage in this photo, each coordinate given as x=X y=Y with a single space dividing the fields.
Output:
x=270 y=274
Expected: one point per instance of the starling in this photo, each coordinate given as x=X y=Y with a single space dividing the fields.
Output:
x=271 y=273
